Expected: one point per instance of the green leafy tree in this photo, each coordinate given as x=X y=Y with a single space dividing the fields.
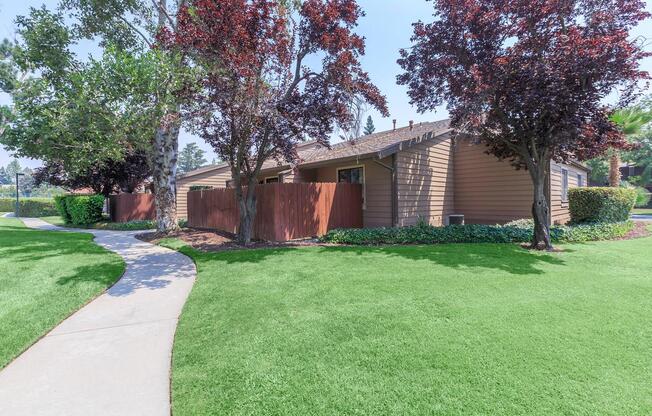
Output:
x=135 y=26
x=4 y=177
x=599 y=171
x=191 y=158
x=12 y=169
x=369 y=128
x=631 y=121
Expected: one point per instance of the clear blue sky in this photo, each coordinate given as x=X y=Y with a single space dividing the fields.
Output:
x=386 y=26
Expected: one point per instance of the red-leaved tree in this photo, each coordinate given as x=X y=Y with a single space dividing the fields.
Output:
x=271 y=76
x=527 y=77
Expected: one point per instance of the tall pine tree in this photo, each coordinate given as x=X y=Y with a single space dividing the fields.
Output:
x=369 y=128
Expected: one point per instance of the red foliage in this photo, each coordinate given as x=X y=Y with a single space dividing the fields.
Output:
x=528 y=76
x=270 y=78
x=258 y=94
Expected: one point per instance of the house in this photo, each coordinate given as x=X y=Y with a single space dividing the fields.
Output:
x=413 y=173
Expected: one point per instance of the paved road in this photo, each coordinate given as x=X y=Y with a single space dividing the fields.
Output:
x=112 y=357
x=642 y=217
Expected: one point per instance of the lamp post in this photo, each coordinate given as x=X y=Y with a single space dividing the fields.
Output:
x=18 y=174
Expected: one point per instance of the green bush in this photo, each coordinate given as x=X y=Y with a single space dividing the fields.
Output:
x=591 y=205
x=29 y=207
x=200 y=187
x=642 y=197
x=516 y=232
x=80 y=209
x=60 y=202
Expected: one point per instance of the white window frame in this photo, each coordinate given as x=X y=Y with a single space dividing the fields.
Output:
x=580 y=180
x=364 y=180
x=564 y=185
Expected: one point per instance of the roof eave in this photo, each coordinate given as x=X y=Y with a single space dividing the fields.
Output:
x=406 y=144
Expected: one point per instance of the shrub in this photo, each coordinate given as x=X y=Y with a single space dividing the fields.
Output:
x=29 y=207
x=60 y=202
x=517 y=232
x=82 y=209
x=591 y=205
x=642 y=197
x=200 y=187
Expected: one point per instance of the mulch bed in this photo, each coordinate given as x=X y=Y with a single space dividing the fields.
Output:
x=212 y=241
x=639 y=230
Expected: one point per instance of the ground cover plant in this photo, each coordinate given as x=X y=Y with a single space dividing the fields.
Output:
x=515 y=232
x=106 y=224
x=44 y=277
x=440 y=329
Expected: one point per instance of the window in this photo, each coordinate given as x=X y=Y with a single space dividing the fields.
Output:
x=564 y=185
x=580 y=180
x=350 y=175
x=272 y=179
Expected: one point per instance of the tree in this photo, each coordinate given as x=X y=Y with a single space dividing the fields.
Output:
x=270 y=79
x=527 y=79
x=112 y=176
x=630 y=121
x=131 y=26
x=369 y=128
x=191 y=158
x=12 y=169
x=65 y=112
x=4 y=177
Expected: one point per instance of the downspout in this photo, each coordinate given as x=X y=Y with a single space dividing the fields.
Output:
x=394 y=187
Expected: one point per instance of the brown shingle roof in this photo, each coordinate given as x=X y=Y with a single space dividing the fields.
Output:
x=381 y=144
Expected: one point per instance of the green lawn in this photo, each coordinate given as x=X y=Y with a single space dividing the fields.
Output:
x=438 y=330
x=642 y=211
x=44 y=277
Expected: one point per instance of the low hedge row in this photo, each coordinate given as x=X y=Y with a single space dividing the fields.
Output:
x=596 y=204
x=520 y=232
x=80 y=209
x=29 y=207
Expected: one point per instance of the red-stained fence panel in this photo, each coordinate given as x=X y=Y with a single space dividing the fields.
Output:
x=284 y=211
x=130 y=207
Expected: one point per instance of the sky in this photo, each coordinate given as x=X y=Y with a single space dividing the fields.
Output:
x=386 y=28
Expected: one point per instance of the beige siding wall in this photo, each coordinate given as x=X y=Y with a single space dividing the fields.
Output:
x=300 y=176
x=377 y=189
x=558 y=207
x=425 y=183
x=487 y=190
x=215 y=178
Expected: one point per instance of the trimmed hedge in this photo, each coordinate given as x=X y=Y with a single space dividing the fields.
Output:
x=60 y=202
x=29 y=207
x=80 y=209
x=518 y=232
x=594 y=204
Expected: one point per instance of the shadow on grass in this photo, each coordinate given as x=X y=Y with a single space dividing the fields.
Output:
x=509 y=258
x=23 y=245
x=104 y=274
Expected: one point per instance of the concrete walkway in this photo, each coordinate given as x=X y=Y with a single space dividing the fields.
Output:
x=112 y=357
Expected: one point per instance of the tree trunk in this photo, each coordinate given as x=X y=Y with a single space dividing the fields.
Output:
x=247 y=205
x=614 y=169
x=166 y=149
x=540 y=212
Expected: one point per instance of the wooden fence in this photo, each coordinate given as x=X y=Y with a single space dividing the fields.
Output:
x=284 y=211
x=130 y=207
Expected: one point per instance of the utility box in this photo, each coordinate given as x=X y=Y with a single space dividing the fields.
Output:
x=456 y=219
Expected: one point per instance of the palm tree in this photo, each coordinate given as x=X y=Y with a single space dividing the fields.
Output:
x=631 y=121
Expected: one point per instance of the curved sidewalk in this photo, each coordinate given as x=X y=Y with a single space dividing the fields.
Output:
x=112 y=357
